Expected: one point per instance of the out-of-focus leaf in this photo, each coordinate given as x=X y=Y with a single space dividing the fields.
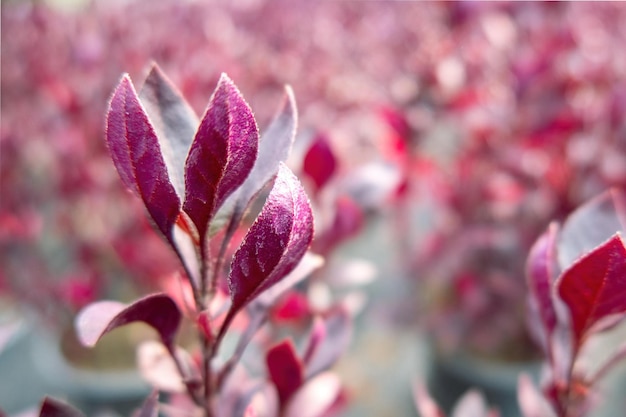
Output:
x=285 y=369
x=157 y=366
x=158 y=311
x=348 y=221
x=424 y=403
x=471 y=404
x=315 y=397
x=320 y=162
x=338 y=333
x=594 y=287
x=274 y=245
x=591 y=225
x=531 y=401
x=173 y=120
x=222 y=154
x=150 y=407
x=55 y=408
x=137 y=156
x=540 y=277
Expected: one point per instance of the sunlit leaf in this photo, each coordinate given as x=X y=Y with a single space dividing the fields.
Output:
x=158 y=311
x=222 y=154
x=136 y=153
x=275 y=243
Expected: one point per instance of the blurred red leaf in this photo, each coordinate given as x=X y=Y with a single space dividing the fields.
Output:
x=594 y=288
x=55 y=408
x=320 y=162
x=285 y=369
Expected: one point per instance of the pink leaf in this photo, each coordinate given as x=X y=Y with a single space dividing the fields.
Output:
x=594 y=288
x=315 y=397
x=335 y=341
x=274 y=245
x=158 y=311
x=540 y=277
x=285 y=369
x=424 y=403
x=221 y=155
x=150 y=407
x=55 y=408
x=137 y=156
x=531 y=401
x=471 y=404
x=320 y=162
x=173 y=120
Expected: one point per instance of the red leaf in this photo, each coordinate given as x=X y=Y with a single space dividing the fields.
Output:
x=137 y=156
x=591 y=225
x=55 y=408
x=594 y=288
x=320 y=162
x=274 y=245
x=221 y=155
x=274 y=147
x=174 y=122
x=540 y=276
x=158 y=311
x=285 y=370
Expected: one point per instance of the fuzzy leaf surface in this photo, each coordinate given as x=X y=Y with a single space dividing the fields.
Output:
x=174 y=122
x=136 y=153
x=285 y=369
x=274 y=147
x=274 y=244
x=594 y=288
x=222 y=154
x=158 y=311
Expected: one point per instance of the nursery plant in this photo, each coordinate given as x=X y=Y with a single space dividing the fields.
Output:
x=577 y=292
x=197 y=179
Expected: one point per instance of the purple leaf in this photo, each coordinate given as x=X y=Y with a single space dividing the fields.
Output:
x=336 y=339
x=594 y=288
x=158 y=311
x=137 y=156
x=274 y=245
x=285 y=370
x=55 y=408
x=221 y=155
x=174 y=122
x=320 y=162
x=591 y=225
x=150 y=407
x=540 y=277
x=274 y=147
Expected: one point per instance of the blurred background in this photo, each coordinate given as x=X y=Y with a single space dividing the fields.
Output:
x=459 y=129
